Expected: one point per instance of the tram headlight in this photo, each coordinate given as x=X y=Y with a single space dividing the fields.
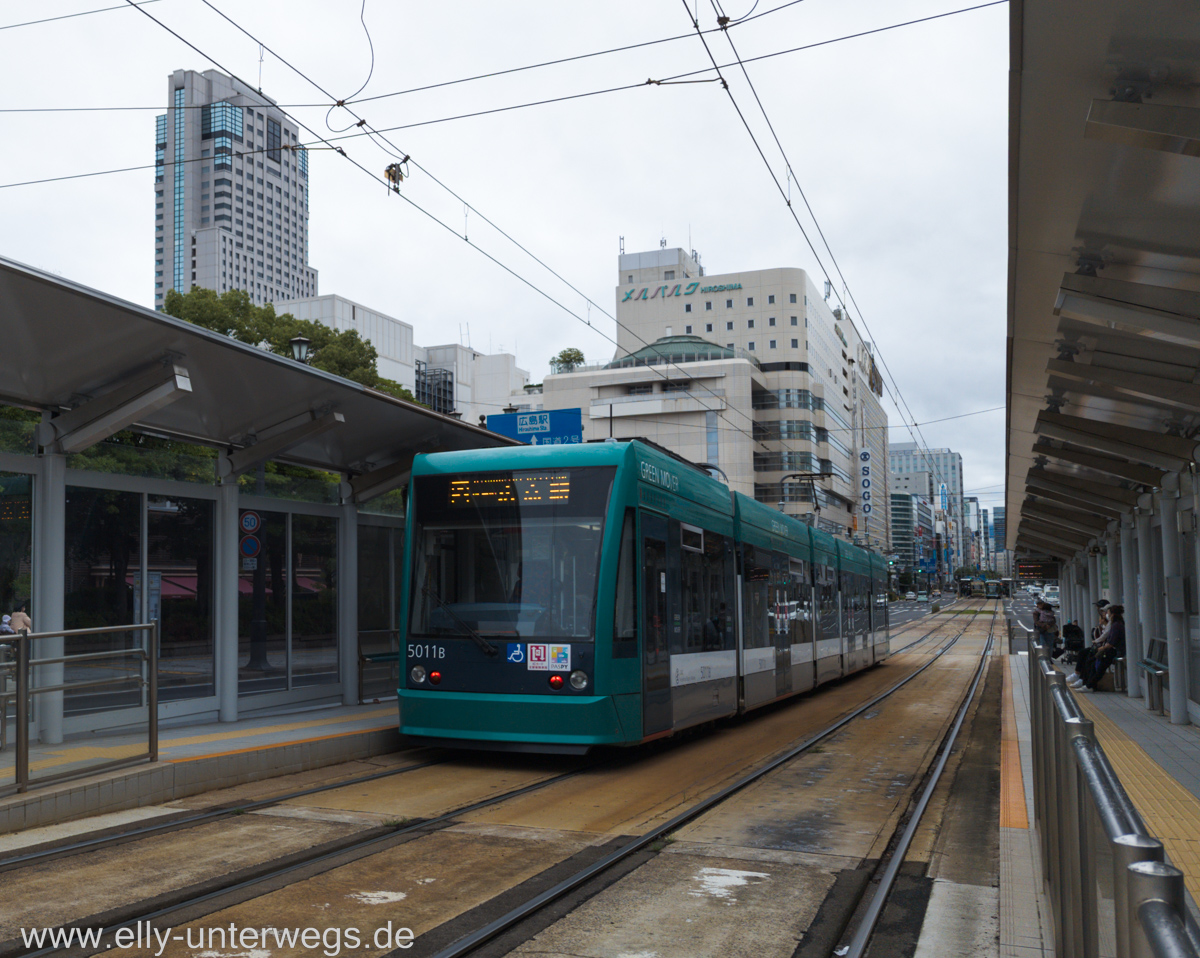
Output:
x=417 y=674
x=556 y=682
x=579 y=680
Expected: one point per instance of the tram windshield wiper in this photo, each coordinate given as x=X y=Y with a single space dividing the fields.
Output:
x=484 y=645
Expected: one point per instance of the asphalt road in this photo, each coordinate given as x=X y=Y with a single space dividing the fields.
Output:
x=905 y=611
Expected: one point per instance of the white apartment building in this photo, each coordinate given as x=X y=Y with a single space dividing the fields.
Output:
x=813 y=403
x=452 y=379
x=392 y=338
x=231 y=164
x=458 y=379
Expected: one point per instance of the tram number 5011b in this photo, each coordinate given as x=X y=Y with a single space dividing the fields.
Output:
x=426 y=651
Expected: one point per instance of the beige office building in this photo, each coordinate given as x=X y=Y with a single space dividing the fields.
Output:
x=750 y=372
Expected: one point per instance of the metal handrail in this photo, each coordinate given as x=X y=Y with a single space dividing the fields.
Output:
x=24 y=693
x=1075 y=790
x=373 y=658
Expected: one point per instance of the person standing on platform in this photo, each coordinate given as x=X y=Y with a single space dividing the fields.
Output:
x=21 y=620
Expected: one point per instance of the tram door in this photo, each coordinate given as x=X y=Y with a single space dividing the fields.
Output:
x=658 y=615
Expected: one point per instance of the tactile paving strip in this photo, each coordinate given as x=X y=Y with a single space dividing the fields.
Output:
x=1171 y=812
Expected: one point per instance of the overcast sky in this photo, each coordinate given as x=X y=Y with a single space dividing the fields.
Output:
x=898 y=139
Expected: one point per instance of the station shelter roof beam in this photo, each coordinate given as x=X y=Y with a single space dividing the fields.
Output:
x=127 y=401
x=1104 y=250
x=1105 y=465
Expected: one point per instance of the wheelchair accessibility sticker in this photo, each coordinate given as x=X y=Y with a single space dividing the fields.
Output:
x=516 y=652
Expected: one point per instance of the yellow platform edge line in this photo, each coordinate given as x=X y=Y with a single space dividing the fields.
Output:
x=1013 y=813
x=1171 y=812
x=266 y=747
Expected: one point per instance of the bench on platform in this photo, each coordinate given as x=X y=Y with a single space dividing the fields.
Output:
x=1157 y=673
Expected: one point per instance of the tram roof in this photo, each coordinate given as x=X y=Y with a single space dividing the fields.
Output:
x=65 y=345
x=1104 y=261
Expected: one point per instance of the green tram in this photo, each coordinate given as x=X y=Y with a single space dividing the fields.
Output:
x=563 y=597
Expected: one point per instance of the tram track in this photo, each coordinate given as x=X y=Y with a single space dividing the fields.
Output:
x=474 y=941
x=120 y=835
x=865 y=918
x=331 y=857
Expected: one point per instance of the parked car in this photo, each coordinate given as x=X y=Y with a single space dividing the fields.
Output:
x=910 y=595
x=922 y=596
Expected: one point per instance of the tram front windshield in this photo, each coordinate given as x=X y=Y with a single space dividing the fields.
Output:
x=508 y=554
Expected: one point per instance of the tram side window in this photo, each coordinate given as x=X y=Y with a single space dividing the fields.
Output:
x=756 y=581
x=707 y=625
x=780 y=615
x=625 y=609
x=827 y=602
x=800 y=602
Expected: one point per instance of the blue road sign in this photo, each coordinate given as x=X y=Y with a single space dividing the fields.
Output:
x=552 y=427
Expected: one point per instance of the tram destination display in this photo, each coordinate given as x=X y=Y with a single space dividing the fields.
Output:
x=529 y=489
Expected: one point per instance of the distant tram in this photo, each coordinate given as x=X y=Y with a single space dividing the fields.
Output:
x=564 y=597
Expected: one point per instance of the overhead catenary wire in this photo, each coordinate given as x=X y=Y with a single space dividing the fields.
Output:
x=69 y=16
x=663 y=81
x=382 y=181
x=407 y=158
x=431 y=216
x=898 y=399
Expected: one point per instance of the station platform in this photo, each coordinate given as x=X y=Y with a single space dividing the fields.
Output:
x=192 y=759
x=1158 y=765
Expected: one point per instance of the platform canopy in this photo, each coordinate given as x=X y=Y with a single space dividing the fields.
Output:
x=1104 y=262
x=99 y=364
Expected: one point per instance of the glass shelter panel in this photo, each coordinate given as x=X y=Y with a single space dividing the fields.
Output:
x=102 y=587
x=179 y=575
x=263 y=609
x=314 y=600
x=377 y=634
x=16 y=537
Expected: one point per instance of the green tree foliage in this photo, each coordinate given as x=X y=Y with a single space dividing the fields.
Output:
x=567 y=360
x=341 y=352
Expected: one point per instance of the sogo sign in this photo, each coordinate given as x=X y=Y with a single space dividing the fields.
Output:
x=865 y=481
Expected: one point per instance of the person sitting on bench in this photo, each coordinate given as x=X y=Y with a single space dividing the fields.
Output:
x=1110 y=646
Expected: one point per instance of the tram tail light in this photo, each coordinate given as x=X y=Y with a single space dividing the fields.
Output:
x=579 y=680
x=435 y=678
x=556 y=682
x=417 y=674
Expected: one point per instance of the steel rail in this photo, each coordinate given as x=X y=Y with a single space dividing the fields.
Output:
x=318 y=859
x=481 y=936
x=178 y=824
x=866 y=927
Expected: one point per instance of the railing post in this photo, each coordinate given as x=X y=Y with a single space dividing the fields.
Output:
x=1151 y=881
x=21 y=770
x=1126 y=850
x=152 y=706
x=1084 y=879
